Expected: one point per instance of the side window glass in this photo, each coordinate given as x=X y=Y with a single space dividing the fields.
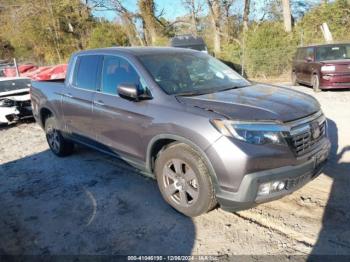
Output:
x=309 y=53
x=116 y=71
x=85 y=75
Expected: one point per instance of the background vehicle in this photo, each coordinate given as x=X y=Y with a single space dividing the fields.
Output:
x=206 y=133
x=189 y=41
x=322 y=66
x=14 y=99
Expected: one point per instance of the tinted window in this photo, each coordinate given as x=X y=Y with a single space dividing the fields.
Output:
x=86 y=72
x=116 y=71
x=309 y=53
x=333 y=52
x=191 y=73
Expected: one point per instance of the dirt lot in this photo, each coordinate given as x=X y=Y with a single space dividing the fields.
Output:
x=90 y=203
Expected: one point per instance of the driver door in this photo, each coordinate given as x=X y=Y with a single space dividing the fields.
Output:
x=118 y=122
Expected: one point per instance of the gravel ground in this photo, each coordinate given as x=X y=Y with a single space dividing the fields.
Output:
x=90 y=203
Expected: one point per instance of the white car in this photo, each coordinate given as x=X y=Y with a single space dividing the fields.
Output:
x=14 y=99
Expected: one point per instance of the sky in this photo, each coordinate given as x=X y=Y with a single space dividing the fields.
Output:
x=175 y=8
x=172 y=9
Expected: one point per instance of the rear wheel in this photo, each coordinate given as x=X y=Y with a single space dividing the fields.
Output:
x=57 y=143
x=184 y=180
x=316 y=83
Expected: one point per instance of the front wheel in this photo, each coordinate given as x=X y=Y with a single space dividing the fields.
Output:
x=57 y=143
x=294 y=79
x=316 y=83
x=184 y=180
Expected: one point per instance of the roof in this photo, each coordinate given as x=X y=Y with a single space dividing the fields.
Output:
x=137 y=51
x=186 y=40
x=328 y=44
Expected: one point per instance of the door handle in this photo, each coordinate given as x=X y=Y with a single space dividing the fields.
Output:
x=100 y=103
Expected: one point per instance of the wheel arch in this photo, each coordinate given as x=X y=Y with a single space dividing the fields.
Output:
x=45 y=113
x=160 y=142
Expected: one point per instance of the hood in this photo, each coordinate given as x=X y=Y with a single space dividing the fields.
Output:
x=257 y=102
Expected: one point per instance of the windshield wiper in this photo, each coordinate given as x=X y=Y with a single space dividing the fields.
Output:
x=192 y=93
x=229 y=88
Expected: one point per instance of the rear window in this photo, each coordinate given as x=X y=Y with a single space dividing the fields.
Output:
x=86 y=71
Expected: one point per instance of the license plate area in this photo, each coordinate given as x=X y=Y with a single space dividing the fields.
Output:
x=320 y=158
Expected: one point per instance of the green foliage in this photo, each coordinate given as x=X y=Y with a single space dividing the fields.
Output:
x=336 y=14
x=6 y=49
x=268 y=50
x=106 y=34
x=48 y=31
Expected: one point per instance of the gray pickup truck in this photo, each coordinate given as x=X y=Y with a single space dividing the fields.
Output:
x=208 y=135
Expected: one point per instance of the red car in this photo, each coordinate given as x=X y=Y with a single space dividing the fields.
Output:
x=322 y=66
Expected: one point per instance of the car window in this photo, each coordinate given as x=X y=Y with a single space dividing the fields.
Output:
x=309 y=53
x=333 y=52
x=190 y=73
x=117 y=70
x=85 y=76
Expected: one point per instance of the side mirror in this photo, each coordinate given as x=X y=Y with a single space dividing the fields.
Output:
x=308 y=59
x=131 y=92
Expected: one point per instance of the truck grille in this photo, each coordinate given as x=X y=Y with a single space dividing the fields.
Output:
x=306 y=140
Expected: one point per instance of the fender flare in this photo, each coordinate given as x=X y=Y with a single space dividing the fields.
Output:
x=184 y=140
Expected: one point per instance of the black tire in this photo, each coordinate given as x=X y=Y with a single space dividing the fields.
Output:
x=315 y=81
x=294 y=79
x=198 y=192
x=58 y=144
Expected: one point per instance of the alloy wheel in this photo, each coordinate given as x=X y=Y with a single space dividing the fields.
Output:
x=53 y=139
x=180 y=183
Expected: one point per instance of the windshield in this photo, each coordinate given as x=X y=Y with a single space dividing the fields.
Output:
x=333 y=52
x=191 y=73
x=13 y=84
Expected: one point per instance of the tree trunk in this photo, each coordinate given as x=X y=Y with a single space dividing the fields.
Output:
x=154 y=28
x=193 y=18
x=215 y=16
x=287 y=16
x=246 y=15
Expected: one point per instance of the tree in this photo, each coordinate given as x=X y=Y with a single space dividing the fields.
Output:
x=287 y=16
x=128 y=18
x=154 y=29
x=215 y=13
x=106 y=34
x=46 y=31
x=246 y=15
x=194 y=7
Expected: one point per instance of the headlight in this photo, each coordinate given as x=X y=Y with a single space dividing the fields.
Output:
x=254 y=133
x=328 y=68
x=6 y=103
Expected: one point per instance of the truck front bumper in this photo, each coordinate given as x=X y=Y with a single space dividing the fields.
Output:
x=294 y=177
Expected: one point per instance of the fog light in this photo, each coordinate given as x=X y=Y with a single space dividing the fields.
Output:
x=271 y=187
x=326 y=77
x=281 y=185
x=264 y=189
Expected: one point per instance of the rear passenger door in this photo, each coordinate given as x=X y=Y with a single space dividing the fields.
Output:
x=120 y=123
x=298 y=63
x=77 y=97
x=308 y=65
